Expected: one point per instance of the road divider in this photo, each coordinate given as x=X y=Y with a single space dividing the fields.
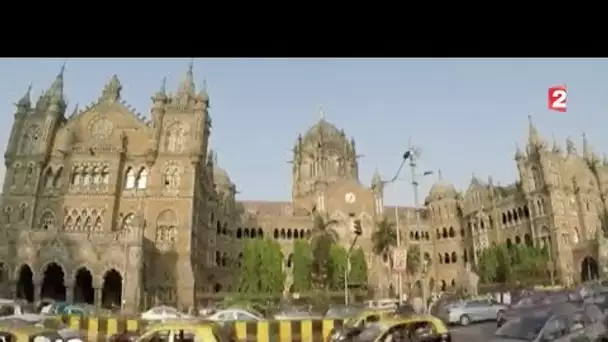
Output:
x=305 y=330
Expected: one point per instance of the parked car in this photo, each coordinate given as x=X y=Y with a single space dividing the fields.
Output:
x=234 y=314
x=544 y=300
x=561 y=323
x=163 y=313
x=476 y=310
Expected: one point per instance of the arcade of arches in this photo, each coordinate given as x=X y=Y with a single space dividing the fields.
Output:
x=53 y=284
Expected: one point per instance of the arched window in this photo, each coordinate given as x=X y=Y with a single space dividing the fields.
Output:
x=22 y=212
x=127 y=223
x=142 y=178
x=166 y=227
x=105 y=175
x=130 y=181
x=57 y=179
x=8 y=212
x=47 y=221
x=171 y=178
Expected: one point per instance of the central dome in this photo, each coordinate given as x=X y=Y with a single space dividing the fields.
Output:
x=323 y=131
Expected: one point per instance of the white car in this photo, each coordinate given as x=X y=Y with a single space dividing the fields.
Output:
x=229 y=315
x=163 y=313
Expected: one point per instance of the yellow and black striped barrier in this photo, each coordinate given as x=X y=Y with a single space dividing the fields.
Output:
x=308 y=330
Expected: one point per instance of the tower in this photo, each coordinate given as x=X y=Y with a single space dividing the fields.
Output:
x=320 y=158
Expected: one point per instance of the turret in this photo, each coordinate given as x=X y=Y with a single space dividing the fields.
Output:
x=535 y=141
x=203 y=122
x=377 y=187
x=23 y=108
x=159 y=100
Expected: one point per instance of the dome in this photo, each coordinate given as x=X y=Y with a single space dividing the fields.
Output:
x=220 y=176
x=325 y=131
x=440 y=190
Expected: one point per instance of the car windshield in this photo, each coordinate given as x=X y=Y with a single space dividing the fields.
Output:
x=524 y=328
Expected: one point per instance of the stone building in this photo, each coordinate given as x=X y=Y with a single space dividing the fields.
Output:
x=107 y=206
x=99 y=205
x=559 y=201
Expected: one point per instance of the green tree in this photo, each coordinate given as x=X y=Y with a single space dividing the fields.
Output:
x=358 y=268
x=302 y=266
x=487 y=265
x=249 y=276
x=384 y=240
x=270 y=268
x=519 y=263
x=337 y=266
x=323 y=237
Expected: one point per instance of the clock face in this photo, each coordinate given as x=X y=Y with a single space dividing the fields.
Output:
x=350 y=198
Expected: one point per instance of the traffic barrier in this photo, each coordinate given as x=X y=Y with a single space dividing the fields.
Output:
x=307 y=330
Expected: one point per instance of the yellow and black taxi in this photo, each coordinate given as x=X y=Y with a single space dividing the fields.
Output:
x=188 y=332
x=354 y=325
x=416 y=328
x=21 y=332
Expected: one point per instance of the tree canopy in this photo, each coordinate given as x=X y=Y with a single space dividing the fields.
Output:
x=261 y=268
x=302 y=266
x=519 y=263
x=384 y=238
x=358 y=267
x=323 y=237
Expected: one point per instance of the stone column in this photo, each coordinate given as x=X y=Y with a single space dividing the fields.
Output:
x=69 y=291
x=11 y=291
x=37 y=290
x=97 y=290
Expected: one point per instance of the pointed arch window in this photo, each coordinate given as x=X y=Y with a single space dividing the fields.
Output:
x=142 y=178
x=171 y=178
x=105 y=175
x=29 y=174
x=22 y=212
x=47 y=221
x=88 y=176
x=57 y=178
x=127 y=224
x=130 y=179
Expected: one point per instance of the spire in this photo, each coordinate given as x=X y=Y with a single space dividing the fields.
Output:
x=376 y=180
x=587 y=153
x=187 y=87
x=203 y=95
x=604 y=159
x=534 y=138
x=321 y=113
x=26 y=102
x=55 y=92
x=439 y=175
x=556 y=148
x=570 y=148
x=111 y=91
x=518 y=153
x=75 y=111
x=161 y=94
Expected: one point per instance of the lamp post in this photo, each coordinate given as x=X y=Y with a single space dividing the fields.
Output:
x=411 y=154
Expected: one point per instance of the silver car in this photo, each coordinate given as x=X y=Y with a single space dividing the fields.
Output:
x=560 y=324
x=474 y=310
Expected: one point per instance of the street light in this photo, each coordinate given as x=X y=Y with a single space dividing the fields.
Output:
x=411 y=154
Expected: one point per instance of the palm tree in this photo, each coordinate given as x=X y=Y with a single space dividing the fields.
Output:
x=323 y=237
x=384 y=240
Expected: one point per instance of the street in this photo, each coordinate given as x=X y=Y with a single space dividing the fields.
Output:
x=480 y=332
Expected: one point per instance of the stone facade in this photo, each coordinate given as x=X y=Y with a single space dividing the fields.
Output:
x=104 y=191
x=559 y=199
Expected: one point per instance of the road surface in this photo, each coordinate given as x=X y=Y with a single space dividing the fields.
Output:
x=479 y=332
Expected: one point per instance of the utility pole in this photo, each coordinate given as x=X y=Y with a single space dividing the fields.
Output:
x=399 y=274
x=416 y=207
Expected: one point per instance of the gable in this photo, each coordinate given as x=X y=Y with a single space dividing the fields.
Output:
x=105 y=126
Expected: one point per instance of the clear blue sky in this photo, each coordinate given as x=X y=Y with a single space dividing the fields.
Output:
x=467 y=114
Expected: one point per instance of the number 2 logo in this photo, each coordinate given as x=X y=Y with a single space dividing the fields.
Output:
x=556 y=98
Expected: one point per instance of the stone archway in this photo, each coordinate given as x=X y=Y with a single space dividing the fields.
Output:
x=589 y=269
x=83 y=286
x=25 y=283
x=111 y=291
x=53 y=283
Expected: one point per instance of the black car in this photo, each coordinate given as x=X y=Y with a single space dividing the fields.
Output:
x=538 y=300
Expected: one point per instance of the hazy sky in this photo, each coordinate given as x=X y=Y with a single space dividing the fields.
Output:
x=466 y=114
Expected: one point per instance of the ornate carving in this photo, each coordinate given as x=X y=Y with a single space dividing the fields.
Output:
x=101 y=129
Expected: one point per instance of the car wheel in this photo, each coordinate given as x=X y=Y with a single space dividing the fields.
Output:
x=499 y=315
x=465 y=320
